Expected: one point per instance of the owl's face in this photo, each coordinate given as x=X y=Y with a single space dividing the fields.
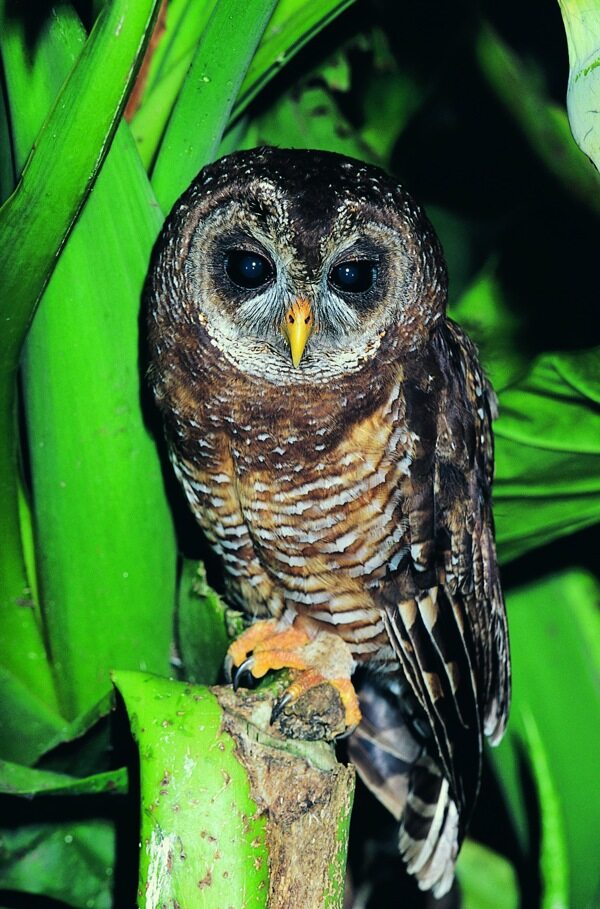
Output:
x=299 y=263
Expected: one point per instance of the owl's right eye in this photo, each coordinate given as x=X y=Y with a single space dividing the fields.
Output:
x=248 y=269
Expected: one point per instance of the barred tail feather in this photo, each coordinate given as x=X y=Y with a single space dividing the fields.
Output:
x=429 y=831
x=392 y=761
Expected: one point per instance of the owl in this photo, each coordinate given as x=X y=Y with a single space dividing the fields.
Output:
x=331 y=428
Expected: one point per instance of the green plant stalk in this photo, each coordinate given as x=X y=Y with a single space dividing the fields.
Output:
x=67 y=154
x=202 y=840
x=204 y=105
x=334 y=895
x=544 y=124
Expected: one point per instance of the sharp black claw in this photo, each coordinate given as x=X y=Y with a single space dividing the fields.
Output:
x=283 y=701
x=243 y=670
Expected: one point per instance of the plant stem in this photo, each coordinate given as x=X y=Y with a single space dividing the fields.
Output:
x=234 y=812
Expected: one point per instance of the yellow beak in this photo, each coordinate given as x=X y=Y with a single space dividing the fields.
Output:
x=297 y=327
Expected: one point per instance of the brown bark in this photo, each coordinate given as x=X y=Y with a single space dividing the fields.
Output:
x=305 y=793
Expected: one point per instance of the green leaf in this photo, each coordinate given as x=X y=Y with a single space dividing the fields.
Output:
x=487 y=880
x=67 y=154
x=389 y=97
x=68 y=859
x=200 y=828
x=185 y=21
x=28 y=725
x=106 y=551
x=555 y=643
x=554 y=865
x=201 y=628
x=292 y=25
x=211 y=87
x=30 y=730
x=582 y=25
x=548 y=453
x=106 y=575
x=18 y=780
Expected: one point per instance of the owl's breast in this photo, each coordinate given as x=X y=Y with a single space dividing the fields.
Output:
x=306 y=514
x=327 y=520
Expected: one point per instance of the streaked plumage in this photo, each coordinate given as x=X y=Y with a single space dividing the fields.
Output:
x=355 y=488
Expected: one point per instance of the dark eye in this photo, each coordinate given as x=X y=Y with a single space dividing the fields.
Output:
x=248 y=269
x=354 y=276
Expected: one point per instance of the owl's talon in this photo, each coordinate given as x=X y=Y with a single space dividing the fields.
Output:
x=245 y=669
x=280 y=706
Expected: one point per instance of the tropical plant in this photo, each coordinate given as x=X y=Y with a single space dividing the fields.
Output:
x=465 y=104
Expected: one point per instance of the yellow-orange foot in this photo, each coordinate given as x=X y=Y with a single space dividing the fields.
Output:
x=322 y=657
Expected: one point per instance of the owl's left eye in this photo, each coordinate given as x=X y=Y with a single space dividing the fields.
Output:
x=248 y=269
x=355 y=276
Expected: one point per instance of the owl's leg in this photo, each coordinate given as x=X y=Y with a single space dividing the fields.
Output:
x=315 y=656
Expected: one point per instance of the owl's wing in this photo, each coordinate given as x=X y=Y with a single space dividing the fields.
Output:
x=444 y=610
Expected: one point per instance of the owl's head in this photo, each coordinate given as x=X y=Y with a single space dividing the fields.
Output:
x=299 y=264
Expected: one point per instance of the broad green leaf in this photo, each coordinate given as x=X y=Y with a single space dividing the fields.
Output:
x=548 y=453
x=67 y=154
x=544 y=123
x=15 y=779
x=29 y=730
x=107 y=576
x=200 y=828
x=201 y=630
x=555 y=643
x=292 y=24
x=69 y=859
x=487 y=880
x=106 y=551
x=27 y=725
x=582 y=25
x=389 y=96
x=7 y=175
x=204 y=105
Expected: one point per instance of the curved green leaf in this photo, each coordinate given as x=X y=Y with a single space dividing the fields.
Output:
x=582 y=25
x=487 y=880
x=548 y=453
x=18 y=780
x=555 y=643
x=34 y=223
